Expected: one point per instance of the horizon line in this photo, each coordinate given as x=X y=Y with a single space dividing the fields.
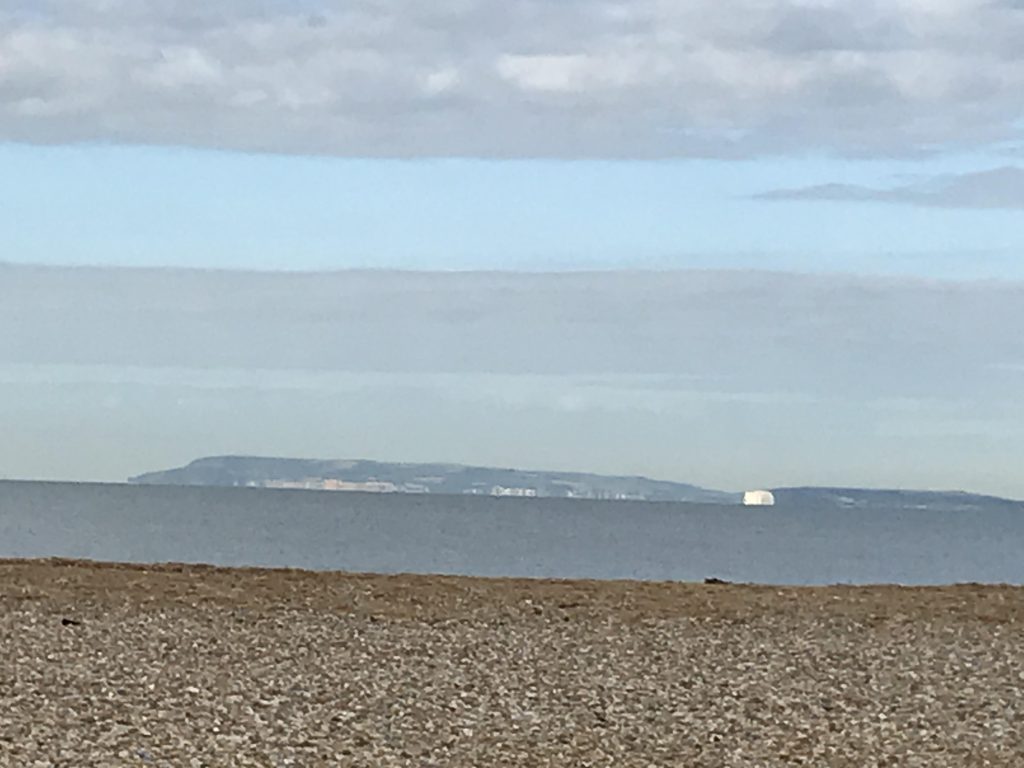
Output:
x=561 y=271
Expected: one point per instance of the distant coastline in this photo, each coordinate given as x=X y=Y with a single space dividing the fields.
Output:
x=368 y=476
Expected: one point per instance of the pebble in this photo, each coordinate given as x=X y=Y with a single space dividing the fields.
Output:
x=340 y=670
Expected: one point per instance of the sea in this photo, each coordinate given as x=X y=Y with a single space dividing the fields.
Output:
x=484 y=536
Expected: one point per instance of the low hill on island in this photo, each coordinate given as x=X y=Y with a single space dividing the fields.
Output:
x=376 y=476
x=879 y=499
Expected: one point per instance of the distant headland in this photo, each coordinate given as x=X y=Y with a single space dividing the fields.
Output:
x=386 y=477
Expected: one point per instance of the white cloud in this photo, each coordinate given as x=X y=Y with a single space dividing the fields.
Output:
x=605 y=78
x=441 y=81
x=574 y=73
x=181 y=67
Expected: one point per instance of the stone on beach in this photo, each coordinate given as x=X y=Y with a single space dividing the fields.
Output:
x=191 y=665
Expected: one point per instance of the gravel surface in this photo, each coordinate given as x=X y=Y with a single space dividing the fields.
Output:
x=105 y=665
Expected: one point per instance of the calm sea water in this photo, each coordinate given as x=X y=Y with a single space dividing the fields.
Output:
x=507 y=537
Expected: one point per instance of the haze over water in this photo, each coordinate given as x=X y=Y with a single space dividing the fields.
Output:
x=483 y=536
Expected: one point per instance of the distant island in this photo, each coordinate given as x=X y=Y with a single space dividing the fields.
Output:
x=388 y=477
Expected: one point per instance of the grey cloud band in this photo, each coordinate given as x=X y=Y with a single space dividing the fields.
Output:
x=599 y=78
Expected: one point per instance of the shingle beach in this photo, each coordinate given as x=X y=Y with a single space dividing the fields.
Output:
x=110 y=665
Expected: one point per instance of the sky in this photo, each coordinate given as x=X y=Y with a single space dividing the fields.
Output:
x=846 y=157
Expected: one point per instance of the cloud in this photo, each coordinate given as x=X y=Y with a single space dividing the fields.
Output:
x=998 y=188
x=594 y=78
x=658 y=334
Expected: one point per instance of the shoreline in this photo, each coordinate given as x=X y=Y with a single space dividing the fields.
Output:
x=176 y=664
x=179 y=566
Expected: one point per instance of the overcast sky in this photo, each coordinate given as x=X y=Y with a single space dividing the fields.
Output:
x=519 y=78
x=833 y=189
